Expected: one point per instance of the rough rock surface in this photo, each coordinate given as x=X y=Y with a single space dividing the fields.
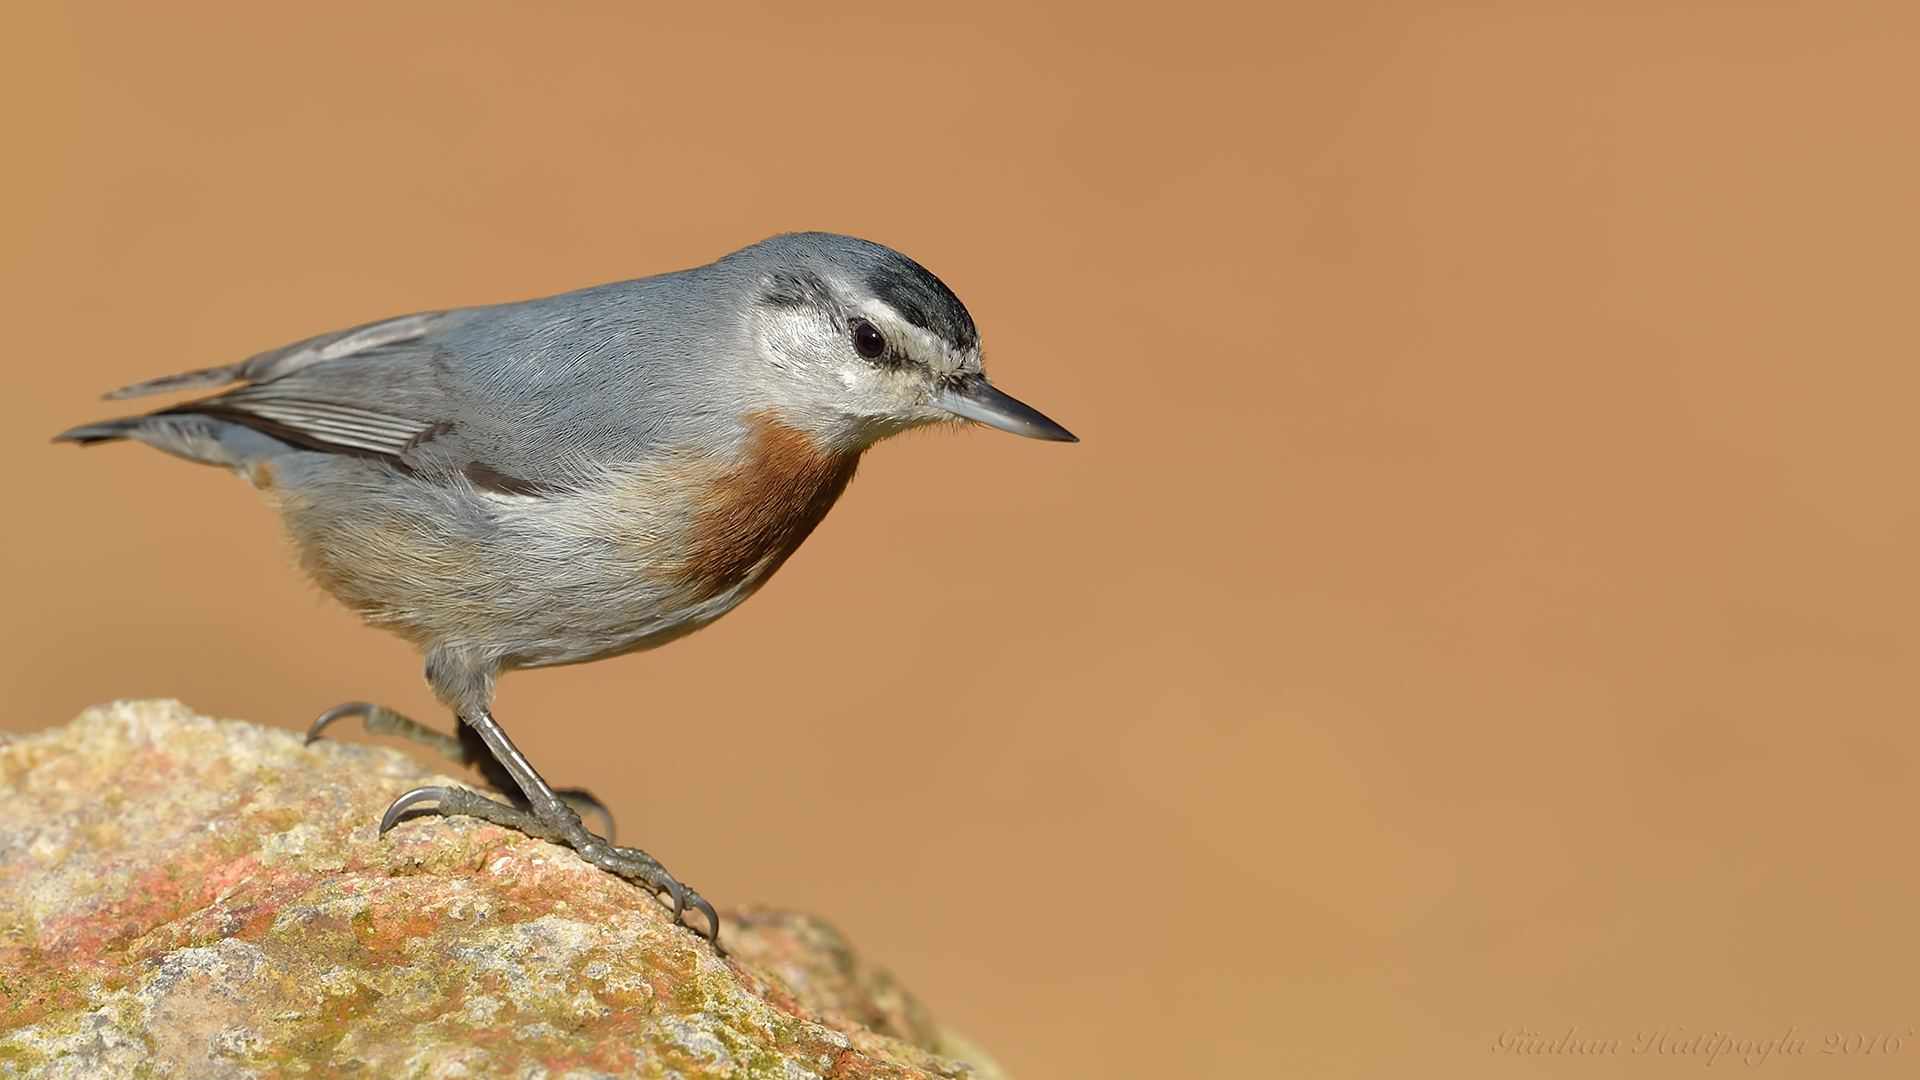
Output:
x=189 y=897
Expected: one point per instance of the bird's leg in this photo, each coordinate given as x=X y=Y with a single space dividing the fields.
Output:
x=468 y=749
x=548 y=818
x=477 y=755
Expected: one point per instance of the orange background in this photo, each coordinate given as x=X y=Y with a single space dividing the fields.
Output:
x=1485 y=596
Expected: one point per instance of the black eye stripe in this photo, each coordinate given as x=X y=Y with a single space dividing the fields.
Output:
x=867 y=340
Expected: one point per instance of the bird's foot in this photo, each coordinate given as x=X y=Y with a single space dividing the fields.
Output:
x=563 y=828
x=380 y=720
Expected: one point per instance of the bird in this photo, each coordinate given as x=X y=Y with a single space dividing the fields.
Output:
x=571 y=478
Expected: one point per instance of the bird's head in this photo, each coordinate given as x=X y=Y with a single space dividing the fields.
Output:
x=859 y=342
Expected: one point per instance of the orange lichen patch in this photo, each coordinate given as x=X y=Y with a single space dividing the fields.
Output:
x=749 y=518
x=142 y=899
x=386 y=929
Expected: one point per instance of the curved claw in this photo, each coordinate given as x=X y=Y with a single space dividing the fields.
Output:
x=338 y=712
x=677 y=891
x=407 y=802
x=606 y=818
x=713 y=920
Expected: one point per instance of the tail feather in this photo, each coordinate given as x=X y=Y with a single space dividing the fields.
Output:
x=105 y=431
x=186 y=380
x=204 y=439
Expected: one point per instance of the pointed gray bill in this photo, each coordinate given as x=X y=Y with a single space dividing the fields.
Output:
x=976 y=399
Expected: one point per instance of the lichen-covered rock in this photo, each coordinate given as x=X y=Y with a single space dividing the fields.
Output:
x=189 y=897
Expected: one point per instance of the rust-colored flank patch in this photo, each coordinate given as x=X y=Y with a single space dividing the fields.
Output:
x=754 y=514
x=260 y=474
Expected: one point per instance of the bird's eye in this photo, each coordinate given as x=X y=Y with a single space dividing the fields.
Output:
x=867 y=341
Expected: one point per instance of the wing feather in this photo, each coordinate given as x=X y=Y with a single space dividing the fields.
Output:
x=279 y=363
x=323 y=424
x=298 y=409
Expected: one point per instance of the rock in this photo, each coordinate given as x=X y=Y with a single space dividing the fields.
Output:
x=189 y=897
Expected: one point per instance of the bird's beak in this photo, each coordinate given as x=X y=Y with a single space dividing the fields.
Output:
x=976 y=399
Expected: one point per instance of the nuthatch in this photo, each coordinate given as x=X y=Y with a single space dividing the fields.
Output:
x=566 y=479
